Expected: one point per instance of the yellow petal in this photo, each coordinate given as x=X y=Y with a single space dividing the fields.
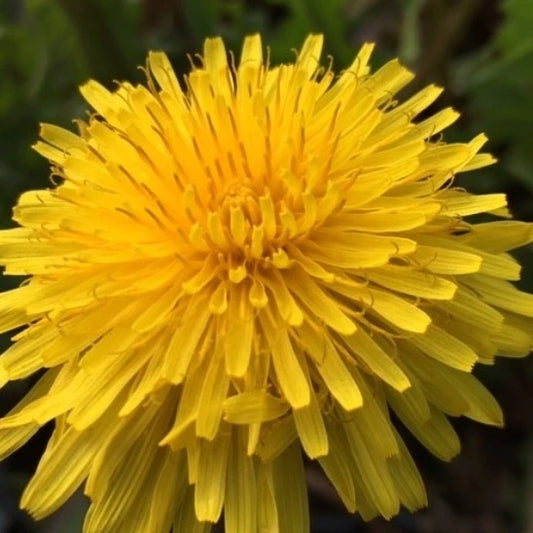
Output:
x=422 y=284
x=210 y=486
x=164 y=74
x=253 y=407
x=218 y=301
x=412 y=400
x=437 y=434
x=380 y=222
x=376 y=359
x=513 y=342
x=289 y=374
x=468 y=308
x=267 y=512
x=445 y=348
x=319 y=302
x=331 y=368
x=288 y=308
x=130 y=486
x=337 y=465
x=344 y=257
x=372 y=420
x=251 y=51
x=62 y=469
x=407 y=479
x=391 y=245
x=202 y=278
x=434 y=378
x=168 y=486
x=103 y=101
x=13 y=438
x=482 y=406
x=291 y=491
x=188 y=407
x=501 y=294
x=374 y=473
x=311 y=429
x=445 y=261
x=462 y=204
x=397 y=310
x=184 y=340
x=500 y=266
x=157 y=312
x=240 y=511
x=279 y=436
x=105 y=386
x=239 y=334
x=186 y=517
x=309 y=56
x=498 y=237
x=212 y=395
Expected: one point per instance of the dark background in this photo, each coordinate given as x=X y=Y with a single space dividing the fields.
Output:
x=480 y=50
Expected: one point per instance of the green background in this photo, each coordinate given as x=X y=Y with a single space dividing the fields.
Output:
x=480 y=50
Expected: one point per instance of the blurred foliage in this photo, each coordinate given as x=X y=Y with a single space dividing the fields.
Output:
x=498 y=82
x=480 y=50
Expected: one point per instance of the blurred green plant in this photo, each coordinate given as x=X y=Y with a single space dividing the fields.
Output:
x=498 y=82
x=41 y=65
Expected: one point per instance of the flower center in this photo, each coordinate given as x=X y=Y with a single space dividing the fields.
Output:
x=241 y=196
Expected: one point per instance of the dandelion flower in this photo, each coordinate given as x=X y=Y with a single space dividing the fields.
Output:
x=255 y=265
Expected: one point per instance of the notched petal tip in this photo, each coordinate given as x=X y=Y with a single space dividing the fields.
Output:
x=309 y=56
x=215 y=56
x=252 y=51
x=359 y=66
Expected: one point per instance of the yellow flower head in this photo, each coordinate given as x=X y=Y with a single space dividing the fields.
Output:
x=257 y=262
